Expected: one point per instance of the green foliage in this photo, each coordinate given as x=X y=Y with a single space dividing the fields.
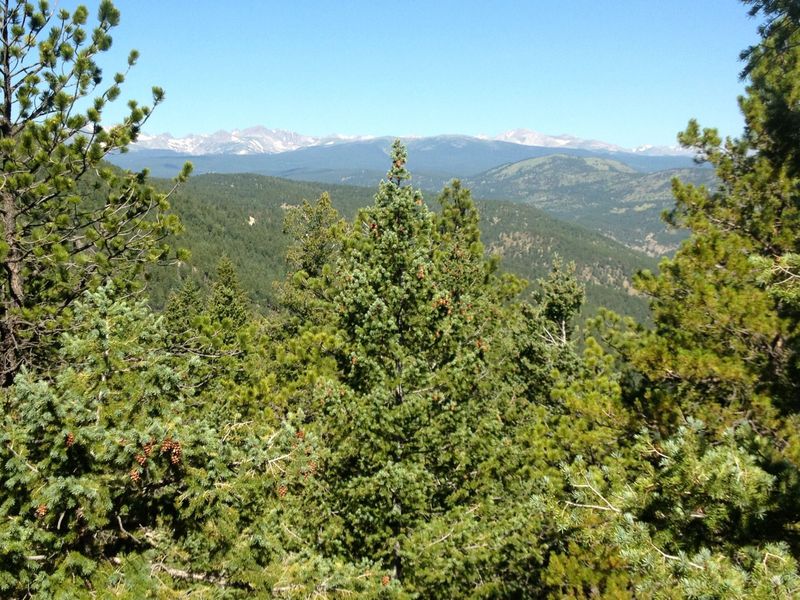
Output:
x=181 y=312
x=561 y=297
x=687 y=516
x=228 y=302
x=781 y=276
x=98 y=452
x=403 y=423
x=316 y=232
x=68 y=221
x=408 y=371
x=703 y=505
x=723 y=336
x=243 y=215
x=414 y=385
x=128 y=465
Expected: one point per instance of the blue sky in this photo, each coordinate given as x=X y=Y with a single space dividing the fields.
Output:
x=628 y=72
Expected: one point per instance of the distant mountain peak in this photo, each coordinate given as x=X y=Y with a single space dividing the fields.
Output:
x=527 y=137
x=251 y=140
x=259 y=139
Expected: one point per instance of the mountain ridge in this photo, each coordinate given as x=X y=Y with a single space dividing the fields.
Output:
x=241 y=215
x=262 y=140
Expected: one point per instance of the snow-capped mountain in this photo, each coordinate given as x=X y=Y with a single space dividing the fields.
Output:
x=526 y=137
x=261 y=140
x=253 y=140
x=649 y=150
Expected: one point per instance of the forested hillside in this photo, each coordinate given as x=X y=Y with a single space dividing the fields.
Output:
x=242 y=216
x=621 y=195
x=603 y=194
x=404 y=422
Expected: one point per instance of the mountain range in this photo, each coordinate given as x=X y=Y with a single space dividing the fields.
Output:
x=619 y=194
x=262 y=140
x=253 y=140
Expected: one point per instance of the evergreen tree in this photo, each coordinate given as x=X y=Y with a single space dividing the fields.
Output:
x=703 y=503
x=126 y=472
x=458 y=220
x=302 y=338
x=228 y=304
x=182 y=311
x=68 y=221
x=313 y=229
x=95 y=455
x=723 y=337
x=419 y=401
x=316 y=231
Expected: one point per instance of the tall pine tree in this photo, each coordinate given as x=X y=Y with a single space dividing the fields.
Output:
x=67 y=221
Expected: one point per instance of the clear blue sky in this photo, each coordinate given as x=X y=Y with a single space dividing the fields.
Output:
x=625 y=71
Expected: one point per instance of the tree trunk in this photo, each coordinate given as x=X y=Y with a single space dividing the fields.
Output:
x=13 y=293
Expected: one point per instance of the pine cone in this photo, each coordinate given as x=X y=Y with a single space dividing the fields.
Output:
x=70 y=439
x=135 y=475
x=177 y=451
x=41 y=511
x=282 y=491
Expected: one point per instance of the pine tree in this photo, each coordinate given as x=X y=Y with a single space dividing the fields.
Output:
x=68 y=221
x=92 y=456
x=703 y=503
x=722 y=336
x=418 y=403
x=182 y=308
x=228 y=305
x=316 y=231
x=125 y=471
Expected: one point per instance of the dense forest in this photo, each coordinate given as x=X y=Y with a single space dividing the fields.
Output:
x=242 y=216
x=404 y=421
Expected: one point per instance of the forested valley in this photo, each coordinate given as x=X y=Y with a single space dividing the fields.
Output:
x=399 y=414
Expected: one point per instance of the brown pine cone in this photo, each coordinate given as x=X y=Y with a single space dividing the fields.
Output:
x=177 y=451
x=148 y=448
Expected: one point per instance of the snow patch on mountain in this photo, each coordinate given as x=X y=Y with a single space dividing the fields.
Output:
x=526 y=137
x=253 y=140
x=262 y=140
